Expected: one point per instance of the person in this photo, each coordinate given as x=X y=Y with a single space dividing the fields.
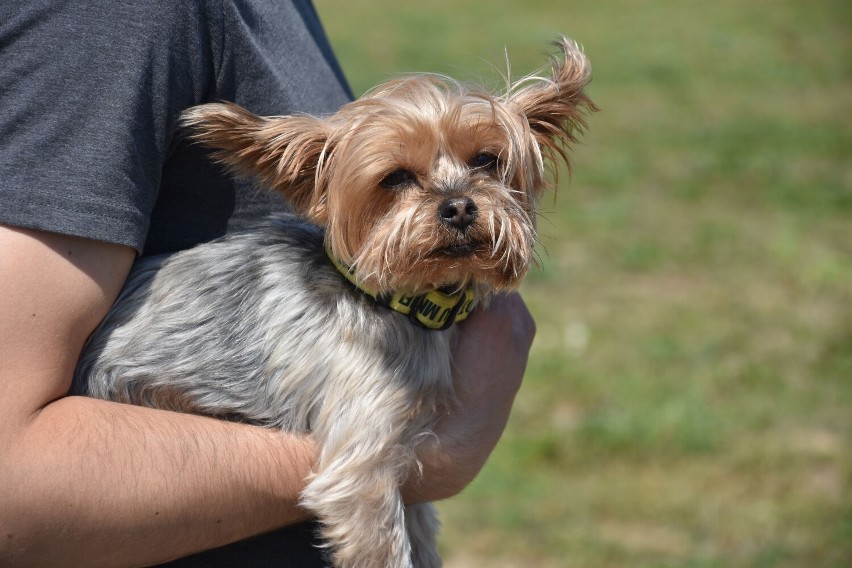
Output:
x=92 y=175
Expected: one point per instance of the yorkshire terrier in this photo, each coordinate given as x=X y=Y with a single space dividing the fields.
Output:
x=412 y=205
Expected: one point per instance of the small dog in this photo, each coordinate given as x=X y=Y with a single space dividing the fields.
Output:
x=414 y=204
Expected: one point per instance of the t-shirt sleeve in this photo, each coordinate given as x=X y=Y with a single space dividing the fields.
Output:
x=90 y=93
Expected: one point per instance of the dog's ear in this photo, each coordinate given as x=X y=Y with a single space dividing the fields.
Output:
x=284 y=152
x=556 y=107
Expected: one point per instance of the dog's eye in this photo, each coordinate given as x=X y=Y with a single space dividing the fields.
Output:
x=397 y=178
x=483 y=160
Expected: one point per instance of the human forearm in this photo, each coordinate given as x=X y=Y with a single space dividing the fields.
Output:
x=87 y=482
x=100 y=484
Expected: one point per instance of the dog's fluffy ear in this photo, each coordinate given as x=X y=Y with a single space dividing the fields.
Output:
x=285 y=152
x=556 y=107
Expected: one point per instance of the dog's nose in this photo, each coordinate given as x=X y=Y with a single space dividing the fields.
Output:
x=458 y=212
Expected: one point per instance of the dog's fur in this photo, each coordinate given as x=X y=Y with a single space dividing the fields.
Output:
x=421 y=184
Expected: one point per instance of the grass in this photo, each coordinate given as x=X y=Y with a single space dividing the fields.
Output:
x=689 y=398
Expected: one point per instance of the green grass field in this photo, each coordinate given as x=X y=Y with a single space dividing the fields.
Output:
x=689 y=398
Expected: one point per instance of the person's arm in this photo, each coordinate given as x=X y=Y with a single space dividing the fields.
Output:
x=95 y=483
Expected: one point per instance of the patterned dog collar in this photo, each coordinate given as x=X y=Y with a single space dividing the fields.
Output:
x=435 y=310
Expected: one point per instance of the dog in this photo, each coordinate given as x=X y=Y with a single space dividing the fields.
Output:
x=411 y=206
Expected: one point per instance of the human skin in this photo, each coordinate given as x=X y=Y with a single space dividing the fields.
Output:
x=96 y=483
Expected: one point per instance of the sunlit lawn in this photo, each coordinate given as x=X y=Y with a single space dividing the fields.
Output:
x=689 y=398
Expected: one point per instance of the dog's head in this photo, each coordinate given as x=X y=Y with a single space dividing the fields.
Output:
x=422 y=183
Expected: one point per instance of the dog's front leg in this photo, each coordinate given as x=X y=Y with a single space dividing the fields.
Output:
x=355 y=490
x=362 y=519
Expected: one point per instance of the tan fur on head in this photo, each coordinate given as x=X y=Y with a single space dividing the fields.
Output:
x=555 y=107
x=422 y=183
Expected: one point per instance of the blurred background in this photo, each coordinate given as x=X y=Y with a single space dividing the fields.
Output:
x=689 y=397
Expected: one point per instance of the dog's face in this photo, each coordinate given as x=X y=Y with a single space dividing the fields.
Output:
x=421 y=184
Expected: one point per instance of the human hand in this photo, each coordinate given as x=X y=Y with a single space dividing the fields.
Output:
x=489 y=361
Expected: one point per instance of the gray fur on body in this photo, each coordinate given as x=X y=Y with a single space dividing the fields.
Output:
x=260 y=327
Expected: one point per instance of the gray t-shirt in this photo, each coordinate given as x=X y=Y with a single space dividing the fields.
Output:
x=90 y=91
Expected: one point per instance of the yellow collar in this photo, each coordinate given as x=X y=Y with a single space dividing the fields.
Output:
x=435 y=310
